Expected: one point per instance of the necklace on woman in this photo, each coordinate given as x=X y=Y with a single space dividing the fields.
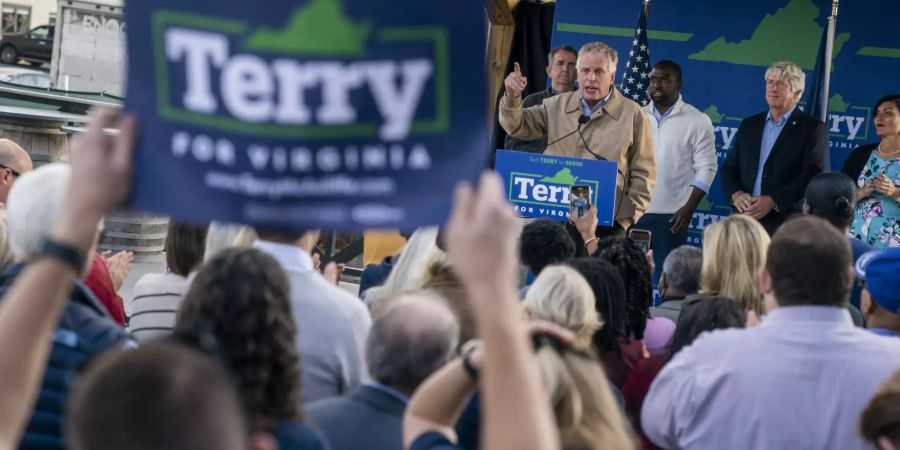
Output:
x=885 y=154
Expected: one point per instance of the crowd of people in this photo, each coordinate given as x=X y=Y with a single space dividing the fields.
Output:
x=491 y=331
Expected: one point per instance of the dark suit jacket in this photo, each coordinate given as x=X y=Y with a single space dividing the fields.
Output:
x=799 y=153
x=366 y=418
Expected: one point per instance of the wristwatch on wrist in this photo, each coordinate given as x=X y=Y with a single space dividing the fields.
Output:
x=467 y=365
x=63 y=252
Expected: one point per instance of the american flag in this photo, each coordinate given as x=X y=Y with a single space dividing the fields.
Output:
x=636 y=77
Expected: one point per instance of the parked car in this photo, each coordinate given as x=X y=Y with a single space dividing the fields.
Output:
x=34 y=46
x=31 y=79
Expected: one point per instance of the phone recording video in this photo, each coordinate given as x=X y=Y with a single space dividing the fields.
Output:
x=579 y=200
x=641 y=238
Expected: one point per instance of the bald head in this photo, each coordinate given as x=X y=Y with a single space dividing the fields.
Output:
x=14 y=161
x=14 y=156
x=413 y=335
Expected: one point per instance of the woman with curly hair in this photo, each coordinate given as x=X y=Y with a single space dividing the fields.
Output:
x=632 y=266
x=618 y=351
x=242 y=297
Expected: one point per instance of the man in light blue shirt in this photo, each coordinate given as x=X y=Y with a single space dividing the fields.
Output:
x=771 y=131
x=797 y=381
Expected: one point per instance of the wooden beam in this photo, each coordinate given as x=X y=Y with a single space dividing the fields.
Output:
x=500 y=35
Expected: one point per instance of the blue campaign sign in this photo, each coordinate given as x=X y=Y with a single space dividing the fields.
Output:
x=725 y=47
x=340 y=114
x=539 y=185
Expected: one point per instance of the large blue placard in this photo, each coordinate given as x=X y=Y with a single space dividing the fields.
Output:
x=725 y=47
x=538 y=185
x=340 y=114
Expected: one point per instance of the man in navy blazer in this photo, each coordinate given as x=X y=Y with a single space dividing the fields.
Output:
x=776 y=153
x=412 y=335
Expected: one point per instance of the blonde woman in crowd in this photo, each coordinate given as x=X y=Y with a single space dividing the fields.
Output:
x=733 y=251
x=560 y=295
x=417 y=255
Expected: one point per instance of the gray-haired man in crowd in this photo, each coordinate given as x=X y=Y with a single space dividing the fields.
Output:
x=680 y=278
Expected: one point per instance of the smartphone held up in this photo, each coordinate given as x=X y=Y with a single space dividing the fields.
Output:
x=580 y=200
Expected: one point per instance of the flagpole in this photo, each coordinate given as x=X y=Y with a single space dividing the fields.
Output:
x=647 y=7
x=829 y=50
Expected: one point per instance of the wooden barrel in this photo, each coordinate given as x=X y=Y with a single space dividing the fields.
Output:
x=142 y=234
x=43 y=140
x=46 y=142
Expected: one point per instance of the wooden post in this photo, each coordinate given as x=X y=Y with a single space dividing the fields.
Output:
x=500 y=35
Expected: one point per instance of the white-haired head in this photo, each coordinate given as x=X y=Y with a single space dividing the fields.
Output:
x=784 y=85
x=599 y=48
x=35 y=205
x=789 y=72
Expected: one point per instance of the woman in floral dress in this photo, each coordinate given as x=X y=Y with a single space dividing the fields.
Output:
x=876 y=169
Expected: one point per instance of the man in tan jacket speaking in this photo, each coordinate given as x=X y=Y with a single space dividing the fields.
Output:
x=594 y=122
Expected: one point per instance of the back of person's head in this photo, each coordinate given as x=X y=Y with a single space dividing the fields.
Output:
x=586 y=411
x=244 y=297
x=879 y=423
x=221 y=236
x=409 y=270
x=562 y=296
x=705 y=313
x=829 y=195
x=161 y=396
x=733 y=251
x=810 y=263
x=609 y=299
x=681 y=270
x=34 y=206
x=544 y=242
x=413 y=334
x=442 y=280
x=6 y=255
x=632 y=265
x=185 y=245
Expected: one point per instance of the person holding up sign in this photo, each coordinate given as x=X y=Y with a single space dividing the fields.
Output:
x=594 y=122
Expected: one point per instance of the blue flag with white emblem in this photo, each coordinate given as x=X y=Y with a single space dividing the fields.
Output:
x=335 y=114
x=636 y=78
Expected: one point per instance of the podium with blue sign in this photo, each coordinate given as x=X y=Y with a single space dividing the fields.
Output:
x=538 y=185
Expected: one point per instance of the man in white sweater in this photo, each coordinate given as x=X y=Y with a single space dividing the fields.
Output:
x=685 y=162
x=332 y=324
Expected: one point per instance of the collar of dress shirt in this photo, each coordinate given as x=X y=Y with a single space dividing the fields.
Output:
x=672 y=109
x=784 y=118
x=290 y=257
x=823 y=315
x=586 y=108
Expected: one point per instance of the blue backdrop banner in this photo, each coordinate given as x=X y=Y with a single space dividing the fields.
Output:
x=339 y=114
x=725 y=47
x=538 y=185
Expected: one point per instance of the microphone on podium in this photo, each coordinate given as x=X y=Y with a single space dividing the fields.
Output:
x=583 y=119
